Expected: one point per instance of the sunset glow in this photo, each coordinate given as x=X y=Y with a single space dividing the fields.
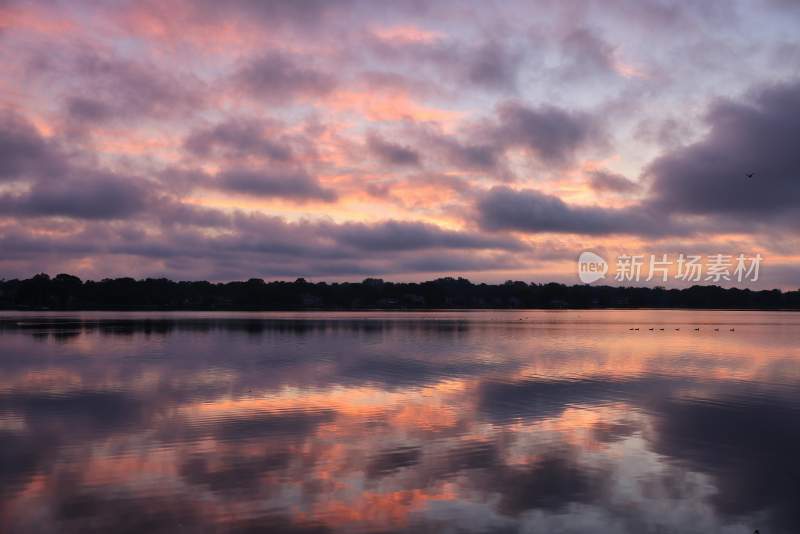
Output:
x=506 y=139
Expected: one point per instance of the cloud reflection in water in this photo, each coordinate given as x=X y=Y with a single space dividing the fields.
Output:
x=455 y=422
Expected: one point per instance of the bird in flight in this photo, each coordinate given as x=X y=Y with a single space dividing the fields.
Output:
x=750 y=174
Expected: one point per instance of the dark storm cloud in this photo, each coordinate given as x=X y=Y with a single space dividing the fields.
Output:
x=91 y=196
x=758 y=135
x=281 y=77
x=294 y=185
x=239 y=138
x=527 y=210
x=613 y=182
x=392 y=153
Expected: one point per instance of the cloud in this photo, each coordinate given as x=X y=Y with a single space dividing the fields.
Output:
x=410 y=235
x=667 y=133
x=128 y=124
x=175 y=212
x=756 y=135
x=304 y=15
x=783 y=4
x=60 y=185
x=494 y=66
x=264 y=183
x=238 y=138
x=528 y=210
x=93 y=195
x=392 y=153
x=704 y=179
x=553 y=134
x=173 y=238
x=470 y=153
x=281 y=77
x=586 y=54
x=88 y=109
x=115 y=89
x=471 y=156
x=23 y=151
x=611 y=182
x=484 y=64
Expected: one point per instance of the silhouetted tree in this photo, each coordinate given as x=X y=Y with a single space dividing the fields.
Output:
x=67 y=291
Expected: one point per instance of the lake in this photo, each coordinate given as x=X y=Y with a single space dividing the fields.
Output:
x=475 y=421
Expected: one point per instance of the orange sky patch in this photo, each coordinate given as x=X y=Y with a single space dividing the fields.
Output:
x=406 y=34
x=389 y=106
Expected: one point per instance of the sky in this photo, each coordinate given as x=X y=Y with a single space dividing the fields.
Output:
x=344 y=139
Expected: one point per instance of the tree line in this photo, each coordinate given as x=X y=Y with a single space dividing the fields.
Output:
x=65 y=291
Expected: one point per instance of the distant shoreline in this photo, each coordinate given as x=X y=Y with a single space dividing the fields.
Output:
x=365 y=309
x=65 y=292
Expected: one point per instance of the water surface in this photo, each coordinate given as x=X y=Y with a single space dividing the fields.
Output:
x=501 y=421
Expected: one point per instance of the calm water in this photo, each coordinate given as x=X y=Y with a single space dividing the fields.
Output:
x=551 y=422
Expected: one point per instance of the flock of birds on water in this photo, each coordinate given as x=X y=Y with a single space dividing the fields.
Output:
x=662 y=329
